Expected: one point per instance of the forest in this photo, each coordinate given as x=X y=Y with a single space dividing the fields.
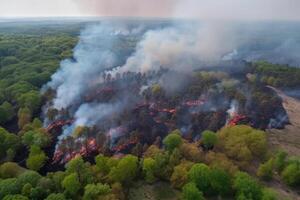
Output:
x=228 y=162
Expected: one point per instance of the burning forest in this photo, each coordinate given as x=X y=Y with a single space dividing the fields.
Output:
x=97 y=105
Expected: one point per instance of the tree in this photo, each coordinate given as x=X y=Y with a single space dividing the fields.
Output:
x=57 y=178
x=28 y=176
x=209 y=139
x=149 y=169
x=82 y=169
x=36 y=159
x=31 y=100
x=242 y=143
x=102 y=164
x=180 y=174
x=199 y=174
x=265 y=170
x=7 y=112
x=24 y=117
x=93 y=191
x=191 y=192
x=71 y=184
x=280 y=160
x=172 y=141
x=57 y=196
x=291 y=174
x=15 y=197
x=220 y=182
x=269 y=194
x=10 y=170
x=126 y=170
x=37 y=138
x=7 y=187
x=9 y=144
x=191 y=152
x=246 y=187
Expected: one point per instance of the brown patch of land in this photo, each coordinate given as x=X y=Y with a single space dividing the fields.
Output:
x=287 y=139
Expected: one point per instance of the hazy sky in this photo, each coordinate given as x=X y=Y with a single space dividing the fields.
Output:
x=203 y=9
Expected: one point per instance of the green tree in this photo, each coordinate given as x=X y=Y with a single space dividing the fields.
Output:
x=36 y=159
x=209 y=139
x=199 y=174
x=7 y=112
x=56 y=196
x=93 y=191
x=126 y=170
x=269 y=194
x=30 y=177
x=191 y=192
x=265 y=170
x=280 y=160
x=10 y=170
x=246 y=187
x=180 y=174
x=37 y=138
x=149 y=169
x=220 y=182
x=291 y=174
x=71 y=184
x=102 y=164
x=31 y=100
x=82 y=169
x=15 y=197
x=24 y=117
x=7 y=187
x=172 y=141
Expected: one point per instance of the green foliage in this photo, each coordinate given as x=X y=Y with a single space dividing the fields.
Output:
x=56 y=196
x=31 y=100
x=36 y=137
x=242 y=143
x=265 y=170
x=172 y=141
x=24 y=117
x=126 y=170
x=246 y=187
x=82 y=169
x=7 y=187
x=71 y=184
x=10 y=170
x=220 y=182
x=149 y=169
x=269 y=194
x=7 y=112
x=102 y=164
x=199 y=174
x=9 y=144
x=277 y=75
x=291 y=173
x=15 y=197
x=280 y=160
x=191 y=192
x=30 y=177
x=36 y=159
x=180 y=174
x=209 y=139
x=93 y=191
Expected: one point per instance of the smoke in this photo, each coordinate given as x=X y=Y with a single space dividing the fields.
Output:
x=181 y=48
x=89 y=114
x=197 y=9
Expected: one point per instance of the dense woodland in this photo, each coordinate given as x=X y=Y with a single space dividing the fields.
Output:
x=233 y=162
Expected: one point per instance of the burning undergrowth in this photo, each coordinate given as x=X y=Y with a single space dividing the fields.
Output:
x=99 y=103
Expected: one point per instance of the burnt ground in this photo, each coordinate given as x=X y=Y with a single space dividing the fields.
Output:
x=287 y=139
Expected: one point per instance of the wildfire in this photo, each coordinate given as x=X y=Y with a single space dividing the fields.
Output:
x=58 y=124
